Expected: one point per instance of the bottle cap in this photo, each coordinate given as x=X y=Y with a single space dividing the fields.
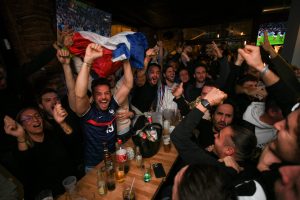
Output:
x=119 y=141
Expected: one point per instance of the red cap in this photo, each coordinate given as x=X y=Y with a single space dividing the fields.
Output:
x=119 y=141
x=149 y=119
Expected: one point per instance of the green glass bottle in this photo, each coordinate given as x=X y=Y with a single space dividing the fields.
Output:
x=147 y=175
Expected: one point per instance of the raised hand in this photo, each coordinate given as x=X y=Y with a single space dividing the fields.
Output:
x=216 y=50
x=215 y=96
x=59 y=113
x=266 y=44
x=13 y=128
x=252 y=56
x=151 y=52
x=63 y=56
x=239 y=60
x=92 y=52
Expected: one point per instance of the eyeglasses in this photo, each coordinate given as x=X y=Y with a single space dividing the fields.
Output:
x=29 y=118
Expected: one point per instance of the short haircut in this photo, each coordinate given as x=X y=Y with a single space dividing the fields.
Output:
x=183 y=69
x=166 y=67
x=99 y=81
x=200 y=64
x=210 y=83
x=45 y=91
x=231 y=102
x=18 y=117
x=244 y=141
x=204 y=182
x=150 y=65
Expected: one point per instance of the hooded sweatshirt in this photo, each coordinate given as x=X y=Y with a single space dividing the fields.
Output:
x=263 y=131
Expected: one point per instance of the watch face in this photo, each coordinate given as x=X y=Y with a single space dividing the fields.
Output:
x=205 y=103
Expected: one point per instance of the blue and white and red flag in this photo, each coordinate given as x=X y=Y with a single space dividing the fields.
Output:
x=124 y=45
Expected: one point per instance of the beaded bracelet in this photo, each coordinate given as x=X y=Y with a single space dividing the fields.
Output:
x=88 y=64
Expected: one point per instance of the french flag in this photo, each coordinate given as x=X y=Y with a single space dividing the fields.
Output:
x=124 y=45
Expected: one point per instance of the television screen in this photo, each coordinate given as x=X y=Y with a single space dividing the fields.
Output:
x=77 y=16
x=276 y=32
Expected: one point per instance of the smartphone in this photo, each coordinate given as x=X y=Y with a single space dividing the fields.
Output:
x=159 y=170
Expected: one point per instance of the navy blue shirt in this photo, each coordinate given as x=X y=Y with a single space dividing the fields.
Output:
x=99 y=126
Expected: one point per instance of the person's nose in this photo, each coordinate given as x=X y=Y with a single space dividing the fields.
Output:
x=35 y=118
x=223 y=117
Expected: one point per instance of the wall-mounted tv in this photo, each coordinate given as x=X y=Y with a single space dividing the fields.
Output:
x=276 y=32
x=78 y=16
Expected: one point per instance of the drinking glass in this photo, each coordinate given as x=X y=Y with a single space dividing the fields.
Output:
x=44 y=195
x=128 y=194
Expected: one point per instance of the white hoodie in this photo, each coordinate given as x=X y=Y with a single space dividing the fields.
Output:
x=263 y=132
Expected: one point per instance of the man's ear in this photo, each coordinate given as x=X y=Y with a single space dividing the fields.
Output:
x=229 y=151
x=41 y=106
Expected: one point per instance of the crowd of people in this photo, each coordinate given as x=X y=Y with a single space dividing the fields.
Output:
x=238 y=137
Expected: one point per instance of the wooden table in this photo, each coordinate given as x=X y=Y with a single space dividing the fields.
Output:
x=87 y=187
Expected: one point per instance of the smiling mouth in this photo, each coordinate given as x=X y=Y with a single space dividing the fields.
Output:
x=37 y=125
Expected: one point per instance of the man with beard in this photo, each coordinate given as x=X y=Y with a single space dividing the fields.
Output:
x=146 y=83
x=98 y=119
x=233 y=142
x=201 y=74
x=210 y=124
x=70 y=132
x=165 y=96
x=285 y=149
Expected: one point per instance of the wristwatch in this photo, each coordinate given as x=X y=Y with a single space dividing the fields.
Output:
x=205 y=104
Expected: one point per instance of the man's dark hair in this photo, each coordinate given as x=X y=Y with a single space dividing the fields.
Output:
x=244 y=141
x=45 y=91
x=200 y=64
x=150 y=65
x=231 y=102
x=165 y=68
x=99 y=81
x=204 y=182
x=246 y=78
x=211 y=83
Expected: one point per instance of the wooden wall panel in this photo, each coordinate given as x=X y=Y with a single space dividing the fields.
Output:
x=30 y=26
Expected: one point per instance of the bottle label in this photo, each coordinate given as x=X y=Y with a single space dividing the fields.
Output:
x=121 y=155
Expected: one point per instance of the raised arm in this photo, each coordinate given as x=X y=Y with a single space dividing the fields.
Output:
x=60 y=114
x=183 y=106
x=189 y=151
x=125 y=88
x=82 y=103
x=141 y=74
x=64 y=58
x=13 y=128
x=252 y=56
x=224 y=65
x=280 y=66
x=283 y=94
